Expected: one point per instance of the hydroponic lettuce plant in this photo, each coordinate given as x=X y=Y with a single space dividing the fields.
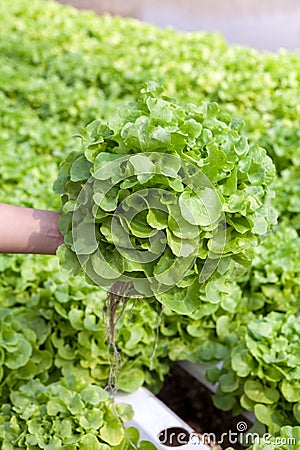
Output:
x=273 y=283
x=23 y=333
x=287 y=200
x=163 y=199
x=52 y=326
x=261 y=372
x=66 y=414
x=270 y=284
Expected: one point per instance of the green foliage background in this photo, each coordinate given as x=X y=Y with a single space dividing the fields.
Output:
x=59 y=70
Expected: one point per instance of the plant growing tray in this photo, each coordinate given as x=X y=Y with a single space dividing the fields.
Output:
x=157 y=423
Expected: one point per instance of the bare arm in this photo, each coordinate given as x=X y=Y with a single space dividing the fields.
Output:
x=27 y=230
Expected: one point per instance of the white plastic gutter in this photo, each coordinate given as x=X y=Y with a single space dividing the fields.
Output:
x=152 y=418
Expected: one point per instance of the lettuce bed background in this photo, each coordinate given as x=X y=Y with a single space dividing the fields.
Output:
x=60 y=69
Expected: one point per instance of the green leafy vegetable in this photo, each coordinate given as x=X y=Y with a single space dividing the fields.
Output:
x=63 y=415
x=270 y=386
x=64 y=76
x=128 y=210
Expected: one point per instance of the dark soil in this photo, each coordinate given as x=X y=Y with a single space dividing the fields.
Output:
x=192 y=402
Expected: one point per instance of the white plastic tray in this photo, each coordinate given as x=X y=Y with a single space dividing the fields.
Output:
x=151 y=417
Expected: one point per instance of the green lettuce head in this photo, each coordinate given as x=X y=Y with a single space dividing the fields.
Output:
x=164 y=201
